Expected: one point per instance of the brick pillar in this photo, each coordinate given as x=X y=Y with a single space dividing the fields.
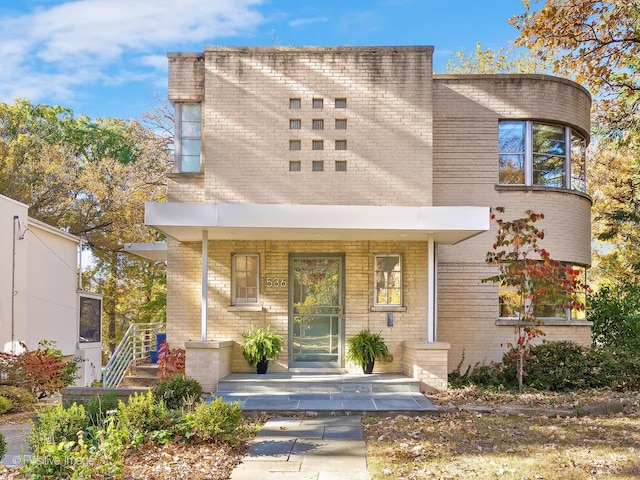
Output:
x=208 y=361
x=427 y=362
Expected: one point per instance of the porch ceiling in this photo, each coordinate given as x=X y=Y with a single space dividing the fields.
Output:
x=186 y=221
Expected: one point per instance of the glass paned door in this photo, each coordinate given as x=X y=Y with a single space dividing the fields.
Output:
x=315 y=311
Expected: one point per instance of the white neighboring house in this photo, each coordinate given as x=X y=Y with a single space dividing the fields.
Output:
x=39 y=264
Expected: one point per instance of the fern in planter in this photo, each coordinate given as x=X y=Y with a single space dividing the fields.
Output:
x=259 y=345
x=365 y=348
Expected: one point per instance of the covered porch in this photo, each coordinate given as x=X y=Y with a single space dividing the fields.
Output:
x=209 y=358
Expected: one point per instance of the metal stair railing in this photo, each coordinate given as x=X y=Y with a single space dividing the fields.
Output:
x=137 y=342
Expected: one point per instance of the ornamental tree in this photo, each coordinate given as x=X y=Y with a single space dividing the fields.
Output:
x=537 y=279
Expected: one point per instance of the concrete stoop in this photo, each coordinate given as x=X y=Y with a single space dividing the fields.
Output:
x=325 y=394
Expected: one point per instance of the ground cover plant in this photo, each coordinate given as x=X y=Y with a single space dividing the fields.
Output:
x=140 y=439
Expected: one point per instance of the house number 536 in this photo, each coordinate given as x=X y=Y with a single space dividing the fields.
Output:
x=276 y=282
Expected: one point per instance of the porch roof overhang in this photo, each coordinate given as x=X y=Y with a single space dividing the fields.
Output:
x=185 y=222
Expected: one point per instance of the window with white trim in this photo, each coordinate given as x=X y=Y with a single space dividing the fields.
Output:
x=510 y=303
x=541 y=154
x=189 y=137
x=387 y=279
x=245 y=275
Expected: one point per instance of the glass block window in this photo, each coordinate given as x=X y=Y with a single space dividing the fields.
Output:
x=245 y=276
x=341 y=144
x=341 y=123
x=341 y=103
x=295 y=166
x=295 y=145
x=295 y=124
x=295 y=103
x=318 y=145
x=388 y=279
x=317 y=166
x=317 y=124
x=341 y=166
x=317 y=103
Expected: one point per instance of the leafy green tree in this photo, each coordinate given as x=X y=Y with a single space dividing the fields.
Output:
x=615 y=312
x=91 y=179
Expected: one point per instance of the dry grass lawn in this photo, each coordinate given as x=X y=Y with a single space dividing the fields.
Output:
x=463 y=444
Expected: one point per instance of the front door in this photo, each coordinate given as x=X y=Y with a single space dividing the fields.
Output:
x=315 y=311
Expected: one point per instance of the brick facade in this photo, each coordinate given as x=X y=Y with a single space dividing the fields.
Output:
x=411 y=139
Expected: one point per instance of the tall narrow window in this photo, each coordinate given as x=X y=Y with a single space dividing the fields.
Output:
x=189 y=133
x=388 y=279
x=245 y=276
x=511 y=152
x=549 y=155
x=578 y=163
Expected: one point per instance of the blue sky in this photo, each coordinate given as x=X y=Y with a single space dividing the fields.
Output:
x=107 y=58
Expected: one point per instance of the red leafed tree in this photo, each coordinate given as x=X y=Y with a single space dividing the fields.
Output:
x=537 y=279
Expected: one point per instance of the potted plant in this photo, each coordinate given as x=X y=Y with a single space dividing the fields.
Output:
x=365 y=348
x=259 y=345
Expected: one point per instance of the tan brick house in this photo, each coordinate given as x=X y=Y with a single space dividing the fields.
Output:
x=322 y=190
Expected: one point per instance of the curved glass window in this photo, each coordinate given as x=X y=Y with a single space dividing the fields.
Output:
x=537 y=153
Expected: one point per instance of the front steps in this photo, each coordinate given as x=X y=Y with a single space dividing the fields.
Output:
x=325 y=394
x=141 y=376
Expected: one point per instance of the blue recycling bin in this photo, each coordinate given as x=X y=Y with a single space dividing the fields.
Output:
x=160 y=339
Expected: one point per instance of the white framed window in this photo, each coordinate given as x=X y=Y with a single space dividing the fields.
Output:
x=188 y=134
x=538 y=153
x=245 y=278
x=510 y=303
x=387 y=279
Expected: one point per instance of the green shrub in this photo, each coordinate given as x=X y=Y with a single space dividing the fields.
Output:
x=99 y=405
x=20 y=398
x=3 y=445
x=56 y=425
x=179 y=391
x=5 y=405
x=615 y=313
x=143 y=415
x=217 y=421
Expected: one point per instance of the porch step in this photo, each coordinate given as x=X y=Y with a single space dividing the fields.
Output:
x=141 y=376
x=294 y=382
x=325 y=394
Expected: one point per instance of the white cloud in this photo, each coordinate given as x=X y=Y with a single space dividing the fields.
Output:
x=53 y=50
x=301 y=22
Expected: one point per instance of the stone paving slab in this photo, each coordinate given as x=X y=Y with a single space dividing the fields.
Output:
x=327 y=448
x=14 y=435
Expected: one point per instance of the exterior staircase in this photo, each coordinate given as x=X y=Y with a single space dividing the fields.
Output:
x=141 y=376
x=138 y=345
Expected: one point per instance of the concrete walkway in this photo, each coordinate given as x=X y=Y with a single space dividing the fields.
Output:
x=321 y=448
x=14 y=435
